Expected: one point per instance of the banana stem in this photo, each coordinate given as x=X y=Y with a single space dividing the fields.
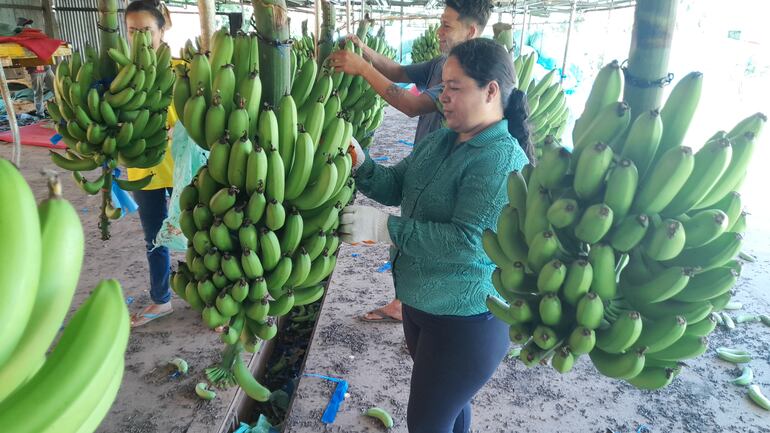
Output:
x=108 y=21
x=648 y=56
x=326 y=38
x=222 y=373
x=272 y=24
x=104 y=221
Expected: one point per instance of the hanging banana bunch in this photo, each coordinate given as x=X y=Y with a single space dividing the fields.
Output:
x=73 y=386
x=624 y=248
x=426 y=47
x=503 y=34
x=107 y=120
x=548 y=110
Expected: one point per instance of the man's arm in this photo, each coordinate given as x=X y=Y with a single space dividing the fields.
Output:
x=390 y=69
x=398 y=97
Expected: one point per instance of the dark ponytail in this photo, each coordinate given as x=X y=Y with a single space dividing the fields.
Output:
x=156 y=8
x=517 y=113
x=485 y=61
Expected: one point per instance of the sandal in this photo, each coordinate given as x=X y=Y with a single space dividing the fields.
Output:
x=145 y=317
x=380 y=316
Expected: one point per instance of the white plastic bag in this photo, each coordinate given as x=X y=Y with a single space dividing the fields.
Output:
x=188 y=159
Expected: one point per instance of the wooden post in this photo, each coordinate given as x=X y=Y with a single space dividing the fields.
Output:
x=566 y=44
x=50 y=28
x=523 y=28
x=650 y=48
x=348 y=24
x=317 y=26
x=207 y=12
x=401 y=37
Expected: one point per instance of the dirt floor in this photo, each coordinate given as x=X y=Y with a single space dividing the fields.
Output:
x=373 y=358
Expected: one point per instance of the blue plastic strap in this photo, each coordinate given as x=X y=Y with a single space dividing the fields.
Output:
x=330 y=414
x=55 y=139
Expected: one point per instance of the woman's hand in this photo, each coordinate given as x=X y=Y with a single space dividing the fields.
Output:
x=347 y=62
x=363 y=224
x=357 y=154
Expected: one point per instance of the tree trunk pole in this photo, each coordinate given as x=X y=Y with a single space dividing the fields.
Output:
x=648 y=57
x=207 y=13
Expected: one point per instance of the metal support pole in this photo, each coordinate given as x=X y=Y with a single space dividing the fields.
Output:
x=207 y=11
x=317 y=26
x=348 y=24
x=566 y=44
x=523 y=28
x=11 y=112
x=401 y=38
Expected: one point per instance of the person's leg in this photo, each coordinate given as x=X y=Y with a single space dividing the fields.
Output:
x=153 y=209
x=454 y=358
x=411 y=331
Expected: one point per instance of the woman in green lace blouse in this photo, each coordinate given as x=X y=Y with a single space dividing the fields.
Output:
x=450 y=188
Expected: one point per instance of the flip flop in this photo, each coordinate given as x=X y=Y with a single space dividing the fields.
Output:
x=382 y=317
x=141 y=319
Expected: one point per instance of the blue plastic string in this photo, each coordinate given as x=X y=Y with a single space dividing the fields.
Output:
x=330 y=414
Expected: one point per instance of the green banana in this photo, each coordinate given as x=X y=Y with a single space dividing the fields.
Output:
x=621 y=335
x=292 y=232
x=223 y=200
x=270 y=249
x=621 y=187
x=219 y=158
x=543 y=248
x=629 y=233
x=256 y=205
x=704 y=226
x=275 y=184
x=666 y=240
x=664 y=180
x=606 y=89
x=594 y=224
x=299 y=174
x=256 y=169
x=714 y=254
x=708 y=285
x=687 y=347
x=602 y=259
x=544 y=337
x=652 y=378
x=702 y=328
x=590 y=311
x=710 y=162
x=577 y=281
x=661 y=333
x=609 y=124
x=550 y=310
x=620 y=366
x=215 y=119
x=592 y=164
x=678 y=111
x=562 y=213
x=660 y=287
x=238 y=162
x=643 y=140
x=551 y=277
x=536 y=214
x=61 y=260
